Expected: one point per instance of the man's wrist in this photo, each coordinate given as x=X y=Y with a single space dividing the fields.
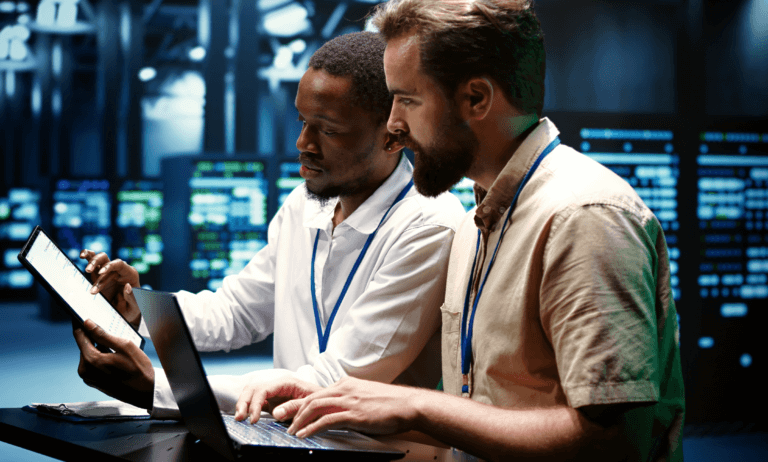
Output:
x=416 y=409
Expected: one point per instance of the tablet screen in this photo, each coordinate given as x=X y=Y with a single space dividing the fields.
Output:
x=67 y=280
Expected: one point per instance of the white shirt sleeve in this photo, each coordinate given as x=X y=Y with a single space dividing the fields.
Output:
x=240 y=313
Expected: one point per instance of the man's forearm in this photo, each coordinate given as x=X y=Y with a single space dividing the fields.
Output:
x=495 y=433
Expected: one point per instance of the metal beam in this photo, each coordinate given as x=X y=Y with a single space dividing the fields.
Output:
x=333 y=20
x=246 y=81
x=213 y=33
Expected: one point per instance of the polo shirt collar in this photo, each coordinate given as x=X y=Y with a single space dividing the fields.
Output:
x=365 y=218
x=492 y=204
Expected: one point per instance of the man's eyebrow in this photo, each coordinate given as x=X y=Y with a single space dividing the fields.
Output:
x=319 y=116
x=399 y=91
x=325 y=117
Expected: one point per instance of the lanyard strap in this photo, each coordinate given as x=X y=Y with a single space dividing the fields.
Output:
x=466 y=330
x=322 y=337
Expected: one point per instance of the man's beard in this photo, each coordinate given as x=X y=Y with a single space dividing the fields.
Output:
x=445 y=162
x=321 y=197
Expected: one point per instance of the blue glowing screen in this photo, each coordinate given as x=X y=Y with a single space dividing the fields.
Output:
x=732 y=213
x=288 y=180
x=19 y=214
x=465 y=191
x=81 y=217
x=228 y=218
x=139 y=206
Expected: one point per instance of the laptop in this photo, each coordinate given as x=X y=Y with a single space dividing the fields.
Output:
x=200 y=411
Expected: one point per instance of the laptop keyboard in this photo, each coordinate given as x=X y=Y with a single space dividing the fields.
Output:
x=267 y=433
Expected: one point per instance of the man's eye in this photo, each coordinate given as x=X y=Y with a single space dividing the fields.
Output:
x=405 y=101
x=324 y=132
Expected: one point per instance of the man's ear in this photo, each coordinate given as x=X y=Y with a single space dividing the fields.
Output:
x=391 y=143
x=475 y=98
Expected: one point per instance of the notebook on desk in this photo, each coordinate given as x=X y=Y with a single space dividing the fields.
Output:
x=200 y=411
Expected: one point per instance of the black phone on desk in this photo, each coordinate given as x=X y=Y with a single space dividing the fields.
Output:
x=70 y=287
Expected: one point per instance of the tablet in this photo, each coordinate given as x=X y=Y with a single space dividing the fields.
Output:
x=71 y=288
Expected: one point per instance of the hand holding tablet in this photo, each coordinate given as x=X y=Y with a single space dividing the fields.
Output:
x=71 y=288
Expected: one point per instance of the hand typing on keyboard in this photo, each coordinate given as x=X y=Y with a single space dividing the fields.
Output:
x=353 y=404
x=266 y=395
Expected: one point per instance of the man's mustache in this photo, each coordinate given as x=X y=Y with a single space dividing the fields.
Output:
x=308 y=159
x=406 y=141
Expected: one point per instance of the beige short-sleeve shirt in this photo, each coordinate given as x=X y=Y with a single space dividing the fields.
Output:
x=578 y=308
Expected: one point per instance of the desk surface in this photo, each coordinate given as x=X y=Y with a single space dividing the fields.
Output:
x=154 y=440
x=144 y=440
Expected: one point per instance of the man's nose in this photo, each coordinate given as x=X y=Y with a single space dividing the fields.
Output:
x=395 y=124
x=305 y=142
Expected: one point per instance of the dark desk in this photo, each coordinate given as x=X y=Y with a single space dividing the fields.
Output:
x=143 y=440
x=156 y=440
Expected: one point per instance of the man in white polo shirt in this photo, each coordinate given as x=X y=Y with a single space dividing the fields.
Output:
x=353 y=274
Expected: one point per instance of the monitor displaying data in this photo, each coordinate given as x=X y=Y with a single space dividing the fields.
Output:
x=228 y=218
x=19 y=214
x=732 y=212
x=137 y=238
x=82 y=216
x=288 y=179
x=731 y=271
x=648 y=160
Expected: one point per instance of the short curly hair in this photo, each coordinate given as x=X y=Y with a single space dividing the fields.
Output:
x=359 y=55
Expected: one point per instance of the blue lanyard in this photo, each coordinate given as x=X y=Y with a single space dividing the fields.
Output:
x=466 y=331
x=322 y=338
